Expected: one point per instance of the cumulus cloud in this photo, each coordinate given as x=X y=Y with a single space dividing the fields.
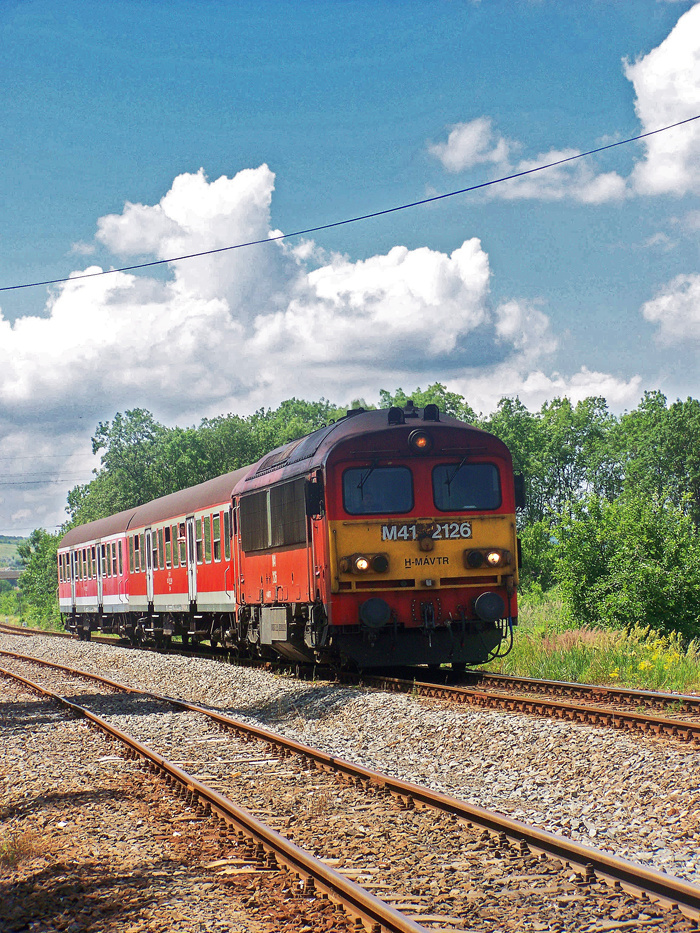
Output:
x=476 y=142
x=246 y=328
x=667 y=88
x=470 y=144
x=676 y=311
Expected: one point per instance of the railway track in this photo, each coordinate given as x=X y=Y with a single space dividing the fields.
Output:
x=465 y=842
x=608 y=707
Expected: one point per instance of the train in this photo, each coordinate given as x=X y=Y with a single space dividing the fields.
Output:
x=385 y=539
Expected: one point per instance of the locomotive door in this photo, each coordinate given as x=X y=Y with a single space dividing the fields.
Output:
x=191 y=561
x=149 y=565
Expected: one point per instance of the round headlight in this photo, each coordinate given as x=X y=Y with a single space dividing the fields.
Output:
x=474 y=559
x=420 y=442
x=361 y=564
x=494 y=558
x=380 y=563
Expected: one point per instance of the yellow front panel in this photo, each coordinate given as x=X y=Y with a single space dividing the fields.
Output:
x=420 y=548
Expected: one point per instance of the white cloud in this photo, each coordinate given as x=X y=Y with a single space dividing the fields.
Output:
x=676 y=311
x=471 y=144
x=667 y=85
x=246 y=328
x=476 y=142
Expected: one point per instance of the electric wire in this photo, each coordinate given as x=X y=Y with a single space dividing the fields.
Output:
x=352 y=220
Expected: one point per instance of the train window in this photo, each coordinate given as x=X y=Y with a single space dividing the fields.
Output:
x=173 y=539
x=466 y=487
x=106 y=564
x=161 y=550
x=288 y=514
x=216 y=535
x=142 y=551
x=90 y=573
x=227 y=535
x=182 y=543
x=116 y=566
x=131 y=555
x=374 y=490
x=167 y=532
x=200 y=540
x=121 y=559
x=255 y=521
x=206 y=522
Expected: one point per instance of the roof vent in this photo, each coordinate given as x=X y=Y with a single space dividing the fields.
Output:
x=431 y=413
x=354 y=411
x=395 y=416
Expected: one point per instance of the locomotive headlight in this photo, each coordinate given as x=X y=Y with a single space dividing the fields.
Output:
x=494 y=558
x=420 y=442
x=473 y=559
x=380 y=563
x=361 y=564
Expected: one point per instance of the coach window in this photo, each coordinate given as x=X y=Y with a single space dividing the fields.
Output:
x=121 y=559
x=106 y=567
x=466 y=487
x=377 y=490
x=90 y=573
x=116 y=566
x=142 y=551
x=161 y=548
x=207 y=538
x=216 y=535
x=167 y=532
x=137 y=555
x=227 y=535
x=80 y=565
x=173 y=544
x=182 y=543
x=154 y=549
x=200 y=540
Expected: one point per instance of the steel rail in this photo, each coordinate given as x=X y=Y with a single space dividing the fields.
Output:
x=681 y=729
x=594 y=863
x=684 y=701
x=354 y=897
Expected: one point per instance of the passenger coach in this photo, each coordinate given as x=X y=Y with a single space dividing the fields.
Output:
x=386 y=538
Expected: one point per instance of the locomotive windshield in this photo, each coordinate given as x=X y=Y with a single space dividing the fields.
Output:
x=460 y=487
x=377 y=490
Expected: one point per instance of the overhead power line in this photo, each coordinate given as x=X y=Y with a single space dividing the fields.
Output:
x=353 y=220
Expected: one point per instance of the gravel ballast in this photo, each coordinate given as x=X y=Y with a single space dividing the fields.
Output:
x=635 y=796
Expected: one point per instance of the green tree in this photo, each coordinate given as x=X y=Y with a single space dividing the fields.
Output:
x=38 y=583
x=632 y=561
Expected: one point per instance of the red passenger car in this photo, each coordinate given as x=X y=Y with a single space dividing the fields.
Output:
x=386 y=538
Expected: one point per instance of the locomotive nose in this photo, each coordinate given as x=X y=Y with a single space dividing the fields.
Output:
x=375 y=612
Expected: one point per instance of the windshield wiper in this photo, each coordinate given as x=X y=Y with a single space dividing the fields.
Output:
x=365 y=477
x=448 y=480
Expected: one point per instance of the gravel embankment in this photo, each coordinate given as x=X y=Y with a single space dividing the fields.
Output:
x=635 y=796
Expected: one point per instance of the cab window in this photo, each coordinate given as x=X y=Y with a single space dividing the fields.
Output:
x=466 y=487
x=377 y=490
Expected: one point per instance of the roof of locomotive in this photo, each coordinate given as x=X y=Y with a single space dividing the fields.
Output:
x=312 y=451
x=185 y=502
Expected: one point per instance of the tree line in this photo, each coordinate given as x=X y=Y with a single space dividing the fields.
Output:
x=613 y=502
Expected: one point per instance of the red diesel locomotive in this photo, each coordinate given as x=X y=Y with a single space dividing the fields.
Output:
x=386 y=538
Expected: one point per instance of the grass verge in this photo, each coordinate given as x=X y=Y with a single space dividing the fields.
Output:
x=548 y=646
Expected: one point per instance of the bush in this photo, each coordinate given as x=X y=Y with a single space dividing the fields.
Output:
x=630 y=562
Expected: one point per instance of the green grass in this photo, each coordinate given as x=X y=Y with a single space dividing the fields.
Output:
x=549 y=646
x=8 y=553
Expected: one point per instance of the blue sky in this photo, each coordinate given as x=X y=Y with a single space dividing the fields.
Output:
x=585 y=281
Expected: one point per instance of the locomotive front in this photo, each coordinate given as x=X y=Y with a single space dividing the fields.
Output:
x=422 y=547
